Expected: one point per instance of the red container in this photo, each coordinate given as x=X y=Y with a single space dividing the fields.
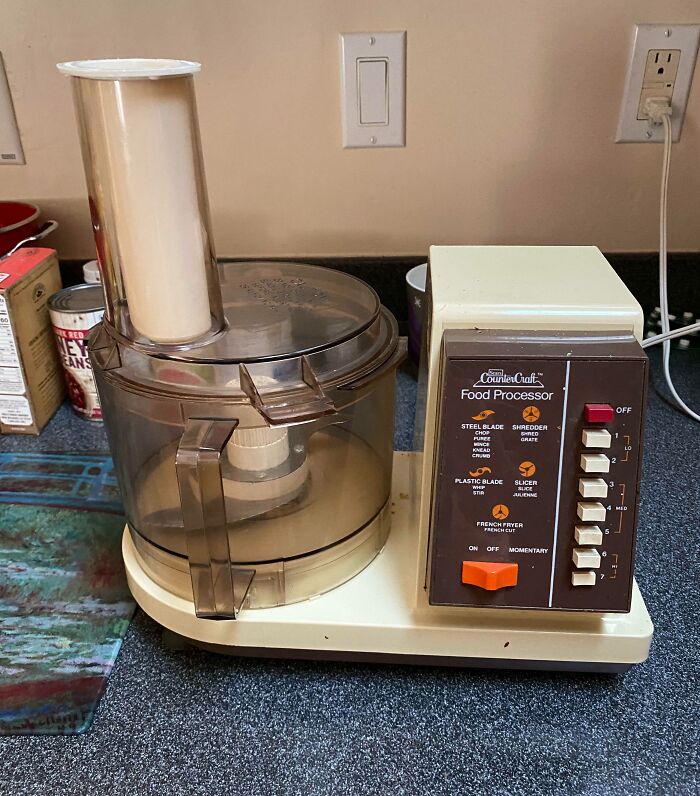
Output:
x=18 y=220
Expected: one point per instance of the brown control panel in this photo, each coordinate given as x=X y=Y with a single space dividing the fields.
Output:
x=537 y=467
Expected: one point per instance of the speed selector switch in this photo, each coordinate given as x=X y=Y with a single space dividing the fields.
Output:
x=586 y=558
x=595 y=463
x=591 y=512
x=489 y=575
x=592 y=487
x=596 y=438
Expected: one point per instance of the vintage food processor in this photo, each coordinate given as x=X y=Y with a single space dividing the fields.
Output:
x=250 y=415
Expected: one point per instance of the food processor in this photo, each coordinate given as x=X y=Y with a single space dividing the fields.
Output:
x=250 y=406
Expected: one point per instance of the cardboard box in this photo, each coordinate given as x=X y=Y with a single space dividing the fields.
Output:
x=31 y=377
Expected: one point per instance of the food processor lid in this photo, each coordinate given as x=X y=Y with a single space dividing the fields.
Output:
x=292 y=330
x=280 y=310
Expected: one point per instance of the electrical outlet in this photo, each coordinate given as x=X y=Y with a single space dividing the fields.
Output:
x=659 y=78
x=10 y=144
x=661 y=65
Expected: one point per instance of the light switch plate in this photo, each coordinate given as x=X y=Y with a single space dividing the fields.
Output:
x=373 y=89
x=657 y=37
x=11 y=152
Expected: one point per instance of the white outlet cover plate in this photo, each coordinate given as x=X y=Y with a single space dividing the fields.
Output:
x=11 y=153
x=359 y=48
x=654 y=37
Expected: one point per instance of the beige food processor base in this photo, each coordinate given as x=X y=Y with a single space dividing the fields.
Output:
x=373 y=617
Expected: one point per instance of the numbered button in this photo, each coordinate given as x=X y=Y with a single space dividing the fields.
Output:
x=596 y=438
x=595 y=463
x=592 y=487
x=591 y=512
x=583 y=578
x=586 y=558
x=588 y=534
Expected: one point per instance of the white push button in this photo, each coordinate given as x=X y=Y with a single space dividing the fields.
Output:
x=586 y=558
x=583 y=578
x=596 y=438
x=592 y=487
x=372 y=90
x=591 y=512
x=588 y=534
x=595 y=463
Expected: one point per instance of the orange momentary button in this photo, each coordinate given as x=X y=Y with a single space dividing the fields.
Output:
x=489 y=575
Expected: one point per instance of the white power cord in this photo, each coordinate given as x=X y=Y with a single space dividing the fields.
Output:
x=659 y=111
x=682 y=332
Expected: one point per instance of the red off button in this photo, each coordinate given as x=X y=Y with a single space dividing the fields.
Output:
x=598 y=413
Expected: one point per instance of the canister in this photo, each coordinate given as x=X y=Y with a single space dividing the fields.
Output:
x=74 y=311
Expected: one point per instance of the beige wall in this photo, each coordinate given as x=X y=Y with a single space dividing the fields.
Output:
x=511 y=114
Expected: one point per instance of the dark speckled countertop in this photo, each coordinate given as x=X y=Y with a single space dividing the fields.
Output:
x=195 y=723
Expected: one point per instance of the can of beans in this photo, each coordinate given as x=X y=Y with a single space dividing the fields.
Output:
x=74 y=311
